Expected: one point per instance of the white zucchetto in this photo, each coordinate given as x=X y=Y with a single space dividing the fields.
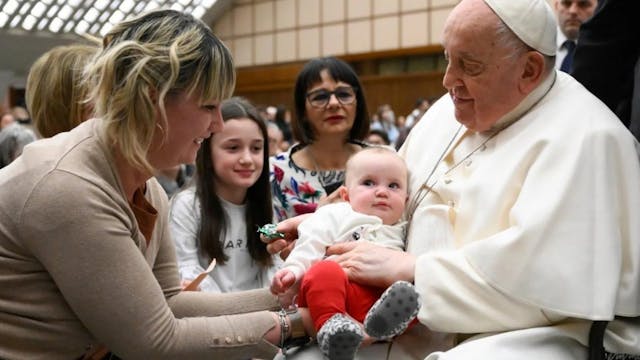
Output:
x=532 y=21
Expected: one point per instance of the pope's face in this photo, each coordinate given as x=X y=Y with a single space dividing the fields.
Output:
x=482 y=75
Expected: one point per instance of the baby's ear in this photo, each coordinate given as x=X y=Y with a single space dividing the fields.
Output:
x=344 y=194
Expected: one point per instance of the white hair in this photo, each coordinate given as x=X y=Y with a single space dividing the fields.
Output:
x=13 y=139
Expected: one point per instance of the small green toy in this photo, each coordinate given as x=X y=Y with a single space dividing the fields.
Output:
x=270 y=233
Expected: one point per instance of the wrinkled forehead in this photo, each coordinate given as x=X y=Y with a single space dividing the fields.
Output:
x=469 y=22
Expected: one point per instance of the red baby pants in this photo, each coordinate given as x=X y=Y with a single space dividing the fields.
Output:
x=326 y=290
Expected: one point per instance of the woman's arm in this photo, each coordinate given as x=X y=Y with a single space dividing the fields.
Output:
x=102 y=271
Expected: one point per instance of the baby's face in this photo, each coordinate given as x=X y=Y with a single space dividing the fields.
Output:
x=377 y=185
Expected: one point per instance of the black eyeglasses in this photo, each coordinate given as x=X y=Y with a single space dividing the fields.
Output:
x=346 y=95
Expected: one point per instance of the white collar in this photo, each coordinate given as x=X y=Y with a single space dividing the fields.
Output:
x=560 y=39
x=527 y=103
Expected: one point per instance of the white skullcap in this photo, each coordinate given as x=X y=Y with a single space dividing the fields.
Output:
x=532 y=21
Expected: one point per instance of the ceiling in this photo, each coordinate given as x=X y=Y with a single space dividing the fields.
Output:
x=30 y=28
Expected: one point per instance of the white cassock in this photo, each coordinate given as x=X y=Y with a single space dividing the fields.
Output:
x=526 y=237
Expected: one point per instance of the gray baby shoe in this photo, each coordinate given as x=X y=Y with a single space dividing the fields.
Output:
x=393 y=312
x=340 y=337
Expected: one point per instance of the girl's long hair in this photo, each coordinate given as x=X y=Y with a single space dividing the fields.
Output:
x=258 y=212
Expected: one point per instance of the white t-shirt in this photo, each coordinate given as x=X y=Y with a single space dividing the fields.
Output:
x=240 y=272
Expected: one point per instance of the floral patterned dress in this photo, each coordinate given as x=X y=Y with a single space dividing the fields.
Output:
x=295 y=190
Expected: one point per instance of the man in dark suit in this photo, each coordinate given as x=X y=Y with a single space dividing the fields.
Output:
x=606 y=58
x=570 y=14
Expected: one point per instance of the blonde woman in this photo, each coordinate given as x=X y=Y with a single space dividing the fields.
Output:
x=83 y=225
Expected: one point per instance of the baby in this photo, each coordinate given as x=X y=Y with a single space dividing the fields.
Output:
x=375 y=192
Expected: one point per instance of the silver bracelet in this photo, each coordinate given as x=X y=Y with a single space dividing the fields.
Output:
x=292 y=334
x=284 y=327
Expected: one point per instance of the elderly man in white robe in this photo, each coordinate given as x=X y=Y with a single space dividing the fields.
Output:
x=525 y=205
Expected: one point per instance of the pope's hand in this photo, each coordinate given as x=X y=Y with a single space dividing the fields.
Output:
x=370 y=264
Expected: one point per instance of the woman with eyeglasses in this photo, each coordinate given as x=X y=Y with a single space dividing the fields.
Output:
x=330 y=123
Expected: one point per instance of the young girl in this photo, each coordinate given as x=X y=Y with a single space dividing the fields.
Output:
x=218 y=218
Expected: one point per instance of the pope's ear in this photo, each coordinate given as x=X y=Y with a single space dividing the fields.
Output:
x=344 y=194
x=533 y=71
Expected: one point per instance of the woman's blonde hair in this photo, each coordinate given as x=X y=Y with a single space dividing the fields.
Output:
x=144 y=60
x=55 y=92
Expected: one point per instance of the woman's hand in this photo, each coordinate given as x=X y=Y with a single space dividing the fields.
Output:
x=289 y=228
x=273 y=335
x=370 y=264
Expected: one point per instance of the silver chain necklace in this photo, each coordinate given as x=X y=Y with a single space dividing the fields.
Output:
x=425 y=188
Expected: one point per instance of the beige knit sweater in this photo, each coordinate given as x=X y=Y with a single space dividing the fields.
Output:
x=76 y=271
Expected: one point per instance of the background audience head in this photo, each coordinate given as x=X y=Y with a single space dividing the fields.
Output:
x=421 y=107
x=6 y=119
x=21 y=115
x=572 y=13
x=55 y=92
x=13 y=139
x=377 y=137
x=275 y=139
x=147 y=61
x=310 y=75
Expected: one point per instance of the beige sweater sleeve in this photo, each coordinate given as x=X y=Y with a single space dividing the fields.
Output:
x=125 y=294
